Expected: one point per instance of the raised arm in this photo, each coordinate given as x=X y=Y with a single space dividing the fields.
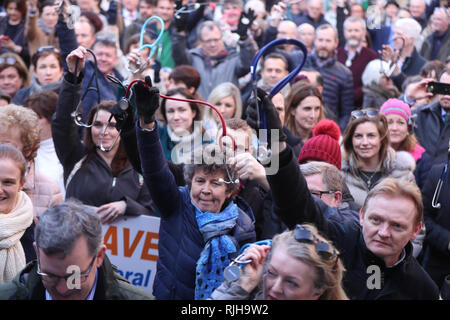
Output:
x=157 y=175
x=66 y=134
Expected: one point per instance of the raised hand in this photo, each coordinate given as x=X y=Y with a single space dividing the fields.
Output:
x=245 y=21
x=180 y=17
x=79 y=56
x=252 y=273
x=272 y=118
x=147 y=100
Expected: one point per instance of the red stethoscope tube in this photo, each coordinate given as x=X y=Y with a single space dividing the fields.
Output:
x=224 y=128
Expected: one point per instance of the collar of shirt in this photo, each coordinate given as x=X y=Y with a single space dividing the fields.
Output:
x=444 y=114
x=358 y=50
x=351 y=56
x=400 y=260
x=89 y=297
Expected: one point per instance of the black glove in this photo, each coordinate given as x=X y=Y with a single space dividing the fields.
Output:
x=123 y=113
x=111 y=14
x=245 y=21
x=180 y=17
x=272 y=117
x=147 y=100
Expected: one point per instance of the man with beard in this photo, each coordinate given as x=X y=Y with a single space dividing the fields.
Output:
x=354 y=55
x=337 y=78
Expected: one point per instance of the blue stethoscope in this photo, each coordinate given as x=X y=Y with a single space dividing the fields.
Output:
x=262 y=124
x=263 y=153
x=437 y=191
x=151 y=46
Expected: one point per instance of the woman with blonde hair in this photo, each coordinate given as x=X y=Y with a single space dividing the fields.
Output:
x=16 y=212
x=300 y=265
x=304 y=108
x=227 y=98
x=20 y=127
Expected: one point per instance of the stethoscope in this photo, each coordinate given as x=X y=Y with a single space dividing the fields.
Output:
x=125 y=103
x=77 y=115
x=190 y=7
x=141 y=66
x=261 y=120
x=233 y=271
x=437 y=191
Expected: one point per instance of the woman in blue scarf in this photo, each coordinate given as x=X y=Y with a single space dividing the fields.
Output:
x=203 y=224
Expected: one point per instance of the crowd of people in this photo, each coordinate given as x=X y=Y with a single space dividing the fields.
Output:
x=100 y=118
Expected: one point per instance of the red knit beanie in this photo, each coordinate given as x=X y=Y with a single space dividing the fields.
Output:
x=324 y=145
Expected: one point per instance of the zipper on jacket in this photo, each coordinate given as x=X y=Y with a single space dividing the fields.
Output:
x=114 y=182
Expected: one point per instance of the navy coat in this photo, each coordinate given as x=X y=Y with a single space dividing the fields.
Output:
x=180 y=240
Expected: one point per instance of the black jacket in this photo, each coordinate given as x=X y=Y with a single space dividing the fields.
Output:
x=431 y=131
x=93 y=183
x=436 y=258
x=294 y=204
x=337 y=87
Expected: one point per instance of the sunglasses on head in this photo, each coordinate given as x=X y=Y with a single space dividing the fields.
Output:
x=371 y=113
x=324 y=249
x=47 y=48
x=10 y=61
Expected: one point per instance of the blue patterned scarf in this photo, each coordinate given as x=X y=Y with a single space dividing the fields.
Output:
x=215 y=228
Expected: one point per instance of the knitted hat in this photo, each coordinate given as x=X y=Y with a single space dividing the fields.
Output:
x=395 y=106
x=324 y=145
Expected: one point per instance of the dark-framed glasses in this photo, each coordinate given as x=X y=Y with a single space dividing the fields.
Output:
x=319 y=193
x=53 y=279
x=324 y=249
x=370 y=113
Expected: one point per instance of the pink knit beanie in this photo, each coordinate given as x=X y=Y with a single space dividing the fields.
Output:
x=395 y=106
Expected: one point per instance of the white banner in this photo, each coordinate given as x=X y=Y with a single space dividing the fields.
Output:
x=132 y=245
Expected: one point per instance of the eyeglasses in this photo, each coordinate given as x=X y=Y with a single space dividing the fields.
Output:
x=52 y=279
x=10 y=60
x=324 y=249
x=370 y=113
x=319 y=193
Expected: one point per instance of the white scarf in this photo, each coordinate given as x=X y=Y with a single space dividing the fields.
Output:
x=12 y=228
x=185 y=146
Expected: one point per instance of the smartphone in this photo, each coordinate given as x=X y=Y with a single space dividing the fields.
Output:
x=438 y=88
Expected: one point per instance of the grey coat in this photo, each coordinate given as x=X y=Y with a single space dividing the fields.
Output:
x=214 y=70
x=396 y=165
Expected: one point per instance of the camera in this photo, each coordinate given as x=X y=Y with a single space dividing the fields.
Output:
x=439 y=88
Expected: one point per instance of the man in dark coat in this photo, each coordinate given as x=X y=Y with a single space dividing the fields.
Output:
x=436 y=257
x=313 y=14
x=69 y=235
x=354 y=55
x=337 y=78
x=432 y=125
x=377 y=252
x=437 y=44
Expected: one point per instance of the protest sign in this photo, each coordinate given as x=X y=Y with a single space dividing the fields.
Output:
x=132 y=245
